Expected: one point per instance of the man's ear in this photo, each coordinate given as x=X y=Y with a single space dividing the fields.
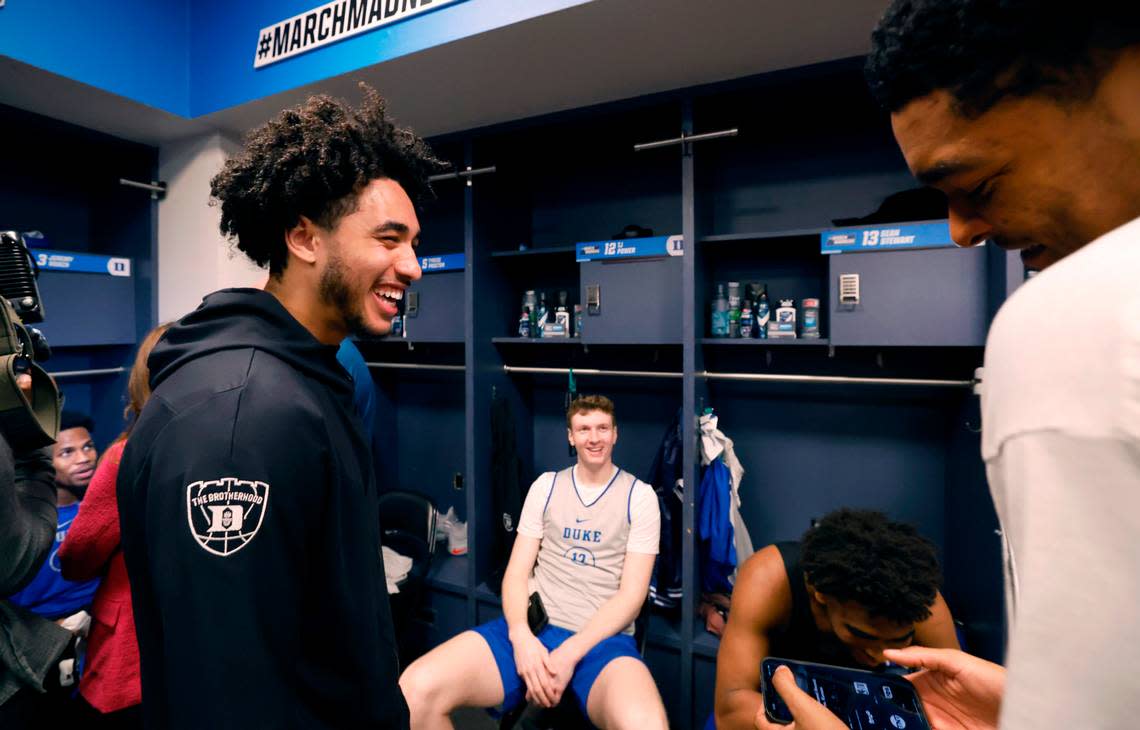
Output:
x=813 y=594
x=303 y=240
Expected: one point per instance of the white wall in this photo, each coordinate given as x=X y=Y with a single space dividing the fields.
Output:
x=193 y=257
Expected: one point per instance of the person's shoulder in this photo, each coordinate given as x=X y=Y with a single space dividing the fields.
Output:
x=249 y=379
x=349 y=355
x=643 y=496
x=276 y=402
x=762 y=588
x=543 y=483
x=114 y=452
x=223 y=398
x=113 y=455
x=764 y=566
x=1077 y=296
x=1061 y=352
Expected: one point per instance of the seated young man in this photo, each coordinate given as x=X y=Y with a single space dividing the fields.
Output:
x=74 y=457
x=856 y=584
x=587 y=540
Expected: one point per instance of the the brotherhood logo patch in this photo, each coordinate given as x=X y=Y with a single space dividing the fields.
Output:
x=224 y=514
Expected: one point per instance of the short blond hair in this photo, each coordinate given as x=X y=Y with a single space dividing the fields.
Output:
x=588 y=403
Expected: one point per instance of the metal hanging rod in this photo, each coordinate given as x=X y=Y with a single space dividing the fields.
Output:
x=87 y=373
x=685 y=138
x=157 y=189
x=589 y=371
x=413 y=366
x=836 y=379
x=753 y=377
x=467 y=173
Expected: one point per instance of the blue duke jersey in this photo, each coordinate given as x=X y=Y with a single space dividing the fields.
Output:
x=49 y=594
x=584 y=542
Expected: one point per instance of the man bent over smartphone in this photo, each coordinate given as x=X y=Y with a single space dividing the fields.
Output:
x=587 y=540
x=856 y=585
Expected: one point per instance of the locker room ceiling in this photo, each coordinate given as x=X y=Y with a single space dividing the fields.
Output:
x=601 y=51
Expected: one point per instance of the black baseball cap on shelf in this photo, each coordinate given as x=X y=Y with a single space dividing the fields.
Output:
x=918 y=204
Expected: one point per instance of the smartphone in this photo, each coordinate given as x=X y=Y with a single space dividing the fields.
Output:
x=536 y=616
x=864 y=700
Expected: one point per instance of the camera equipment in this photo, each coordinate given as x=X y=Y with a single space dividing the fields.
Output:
x=27 y=421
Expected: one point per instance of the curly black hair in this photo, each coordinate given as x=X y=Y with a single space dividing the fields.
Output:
x=313 y=160
x=75 y=419
x=982 y=51
x=886 y=567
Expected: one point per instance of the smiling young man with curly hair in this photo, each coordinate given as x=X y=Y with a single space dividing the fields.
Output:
x=248 y=499
x=855 y=585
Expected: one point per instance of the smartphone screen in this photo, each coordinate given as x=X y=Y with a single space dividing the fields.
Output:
x=864 y=700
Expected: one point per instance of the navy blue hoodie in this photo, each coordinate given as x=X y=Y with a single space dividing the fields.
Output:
x=250 y=528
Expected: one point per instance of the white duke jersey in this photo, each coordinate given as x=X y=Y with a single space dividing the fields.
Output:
x=582 y=553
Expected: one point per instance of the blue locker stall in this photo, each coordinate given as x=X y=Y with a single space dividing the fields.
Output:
x=558 y=183
x=878 y=412
x=63 y=182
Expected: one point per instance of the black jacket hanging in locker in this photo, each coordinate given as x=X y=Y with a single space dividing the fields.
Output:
x=665 y=475
x=506 y=492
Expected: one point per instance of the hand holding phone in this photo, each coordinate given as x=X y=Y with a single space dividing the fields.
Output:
x=808 y=714
x=857 y=699
x=954 y=686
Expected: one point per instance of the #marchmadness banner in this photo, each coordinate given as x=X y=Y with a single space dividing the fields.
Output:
x=333 y=22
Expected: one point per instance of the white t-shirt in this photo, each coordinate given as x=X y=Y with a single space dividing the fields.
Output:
x=1061 y=441
x=644 y=514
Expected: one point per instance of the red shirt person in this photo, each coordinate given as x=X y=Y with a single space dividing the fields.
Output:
x=110 y=680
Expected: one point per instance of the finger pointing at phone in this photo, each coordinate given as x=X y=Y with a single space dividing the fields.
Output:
x=808 y=714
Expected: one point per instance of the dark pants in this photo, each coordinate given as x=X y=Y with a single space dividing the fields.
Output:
x=62 y=707
x=55 y=707
x=129 y=718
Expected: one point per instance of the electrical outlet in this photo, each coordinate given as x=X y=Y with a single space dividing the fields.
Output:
x=593 y=299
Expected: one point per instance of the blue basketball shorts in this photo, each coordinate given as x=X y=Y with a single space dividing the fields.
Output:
x=496 y=635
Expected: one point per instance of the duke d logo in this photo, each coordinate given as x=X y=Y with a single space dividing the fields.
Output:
x=224 y=514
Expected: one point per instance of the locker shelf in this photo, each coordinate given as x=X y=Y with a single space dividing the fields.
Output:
x=761 y=235
x=536 y=340
x=664 y=631
x=704 y=643
x=555 y=251
x=740 y=342
x=448 y=572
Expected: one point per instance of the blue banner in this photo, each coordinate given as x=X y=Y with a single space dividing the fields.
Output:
x=443 y=262
x=631 y=248
x=935 y=234
x=84 y=263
